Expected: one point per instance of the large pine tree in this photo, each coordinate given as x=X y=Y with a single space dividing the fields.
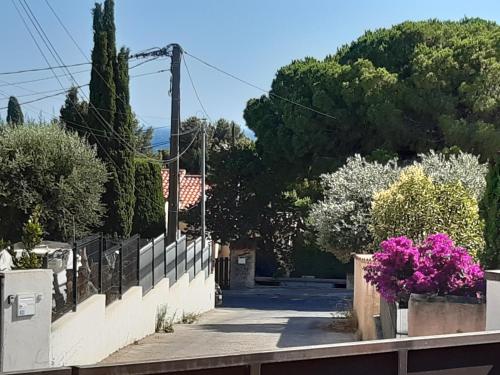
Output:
x=14 y=113
x=491 y=212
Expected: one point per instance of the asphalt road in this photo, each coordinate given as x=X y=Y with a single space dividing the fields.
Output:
x=260 y=319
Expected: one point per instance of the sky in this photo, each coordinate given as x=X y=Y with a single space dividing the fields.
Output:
x=250 y=39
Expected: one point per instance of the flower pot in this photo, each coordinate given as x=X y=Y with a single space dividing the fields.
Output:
x=438 y=315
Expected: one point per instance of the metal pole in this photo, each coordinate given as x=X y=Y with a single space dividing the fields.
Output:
x=153 y=263
x=75 y=276
x=138 y=260
x=203 y=187
x=101 y=250
x=173 y=188
x=120 y=271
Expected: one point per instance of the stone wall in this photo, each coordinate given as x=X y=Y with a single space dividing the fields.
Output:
x=366 y=302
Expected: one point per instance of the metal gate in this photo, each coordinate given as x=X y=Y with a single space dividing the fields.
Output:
x=222 y=271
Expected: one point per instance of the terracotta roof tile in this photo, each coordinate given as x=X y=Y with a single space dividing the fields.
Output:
x=190 y=188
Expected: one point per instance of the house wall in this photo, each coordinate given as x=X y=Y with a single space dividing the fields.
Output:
x=25 y=340
x=95 y=331
x=493 y=300
x=366 y=303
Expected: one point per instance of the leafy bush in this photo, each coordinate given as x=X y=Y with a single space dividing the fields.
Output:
x=436 y=267
x=461 y=166
x=47 y=166
x=149 y=212
x=415 y=206
x=32 y=231
x=341 y=220
x=490 y=207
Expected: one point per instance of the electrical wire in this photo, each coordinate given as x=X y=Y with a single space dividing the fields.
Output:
x=260 y=88
x=194 y=89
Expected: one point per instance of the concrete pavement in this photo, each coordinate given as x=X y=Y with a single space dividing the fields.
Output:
x=259 y=319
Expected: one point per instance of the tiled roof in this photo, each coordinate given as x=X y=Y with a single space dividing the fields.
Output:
x=190 y=188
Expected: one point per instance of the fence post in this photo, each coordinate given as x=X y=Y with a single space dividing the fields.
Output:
x=138 y=260
x=120 y=270
x=153 y=263
x=99 y=266
x=176 y=259
x=185 y=254
x=164 y=255
x=75 y=276
x=194 y=257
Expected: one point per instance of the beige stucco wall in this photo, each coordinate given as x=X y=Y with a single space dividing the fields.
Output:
x=439 y=316
x=366 y=302
x=95 y=331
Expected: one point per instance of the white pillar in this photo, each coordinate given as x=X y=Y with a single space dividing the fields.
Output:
x=492 y=300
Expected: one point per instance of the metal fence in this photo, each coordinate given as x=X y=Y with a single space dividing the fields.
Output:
x=109 y=266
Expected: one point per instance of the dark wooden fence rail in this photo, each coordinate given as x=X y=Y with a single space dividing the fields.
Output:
x=467 y=354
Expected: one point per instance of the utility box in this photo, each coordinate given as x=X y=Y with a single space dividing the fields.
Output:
x=26 y=316
x=242 y=256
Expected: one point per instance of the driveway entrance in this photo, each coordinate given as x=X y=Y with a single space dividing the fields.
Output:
x=259 y=319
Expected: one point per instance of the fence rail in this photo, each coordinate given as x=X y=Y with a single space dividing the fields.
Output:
x=468 y=353
x=111 y=267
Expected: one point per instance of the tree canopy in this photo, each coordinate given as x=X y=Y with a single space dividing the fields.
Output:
x=407 y=89
x=14 y=113
x=47 y=167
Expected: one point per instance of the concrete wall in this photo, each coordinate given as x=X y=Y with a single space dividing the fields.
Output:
x=95 y=331
x=366 y=302
x=25 y=339
x=493 y=300
x=443 y=315
x=242 y=268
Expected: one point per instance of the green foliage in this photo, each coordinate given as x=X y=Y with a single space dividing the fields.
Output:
x=55 y=169
x=414 y=206
x=32 y=230
x=342 y=218
x=14 y=113
x=119 y=196
x=149 y=212
x=28 y=261
x=490 y=209
x=407 y=89
x=73 y=114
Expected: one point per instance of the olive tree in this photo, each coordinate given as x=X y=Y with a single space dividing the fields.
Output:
x=48 y=167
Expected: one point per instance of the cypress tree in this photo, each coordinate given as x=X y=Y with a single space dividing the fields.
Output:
x=490 y=206
x=74 y=112
x=14 y=113
x=149 y=212
x=122 y=194
x=102 y=105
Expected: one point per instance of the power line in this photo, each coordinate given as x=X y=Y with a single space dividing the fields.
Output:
x=260 y=88
x=42 y=69
x=194 y=89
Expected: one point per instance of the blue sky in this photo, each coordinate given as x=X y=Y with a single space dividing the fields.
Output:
x=250 y=39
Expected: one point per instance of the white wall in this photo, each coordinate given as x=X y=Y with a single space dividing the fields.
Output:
x=94 y=331
x=25 y=340
x=493 y=300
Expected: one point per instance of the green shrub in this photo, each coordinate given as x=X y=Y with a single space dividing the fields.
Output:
x=149 y=212
x=47 y=166
x=415 y=206
x=32 y=231
x=490 y=208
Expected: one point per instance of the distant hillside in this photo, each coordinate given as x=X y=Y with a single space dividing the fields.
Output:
x=161 y=138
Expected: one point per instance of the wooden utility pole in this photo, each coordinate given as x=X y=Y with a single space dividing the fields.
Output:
x=173 y=168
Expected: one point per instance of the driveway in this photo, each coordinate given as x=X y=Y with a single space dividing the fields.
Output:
x=259 y=319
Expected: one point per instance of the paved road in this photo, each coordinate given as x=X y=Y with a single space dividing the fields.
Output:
x=260 y=319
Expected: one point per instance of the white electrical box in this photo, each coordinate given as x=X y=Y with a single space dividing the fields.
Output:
x=242 y=260
x=26 y=304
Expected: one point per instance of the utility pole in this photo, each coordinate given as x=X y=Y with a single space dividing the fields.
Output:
x=203 y=187
x=173 y=168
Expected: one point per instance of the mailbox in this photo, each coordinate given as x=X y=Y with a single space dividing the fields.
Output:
x=26 y=304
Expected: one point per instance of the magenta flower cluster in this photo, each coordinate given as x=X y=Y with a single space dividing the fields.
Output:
x=435 y=267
